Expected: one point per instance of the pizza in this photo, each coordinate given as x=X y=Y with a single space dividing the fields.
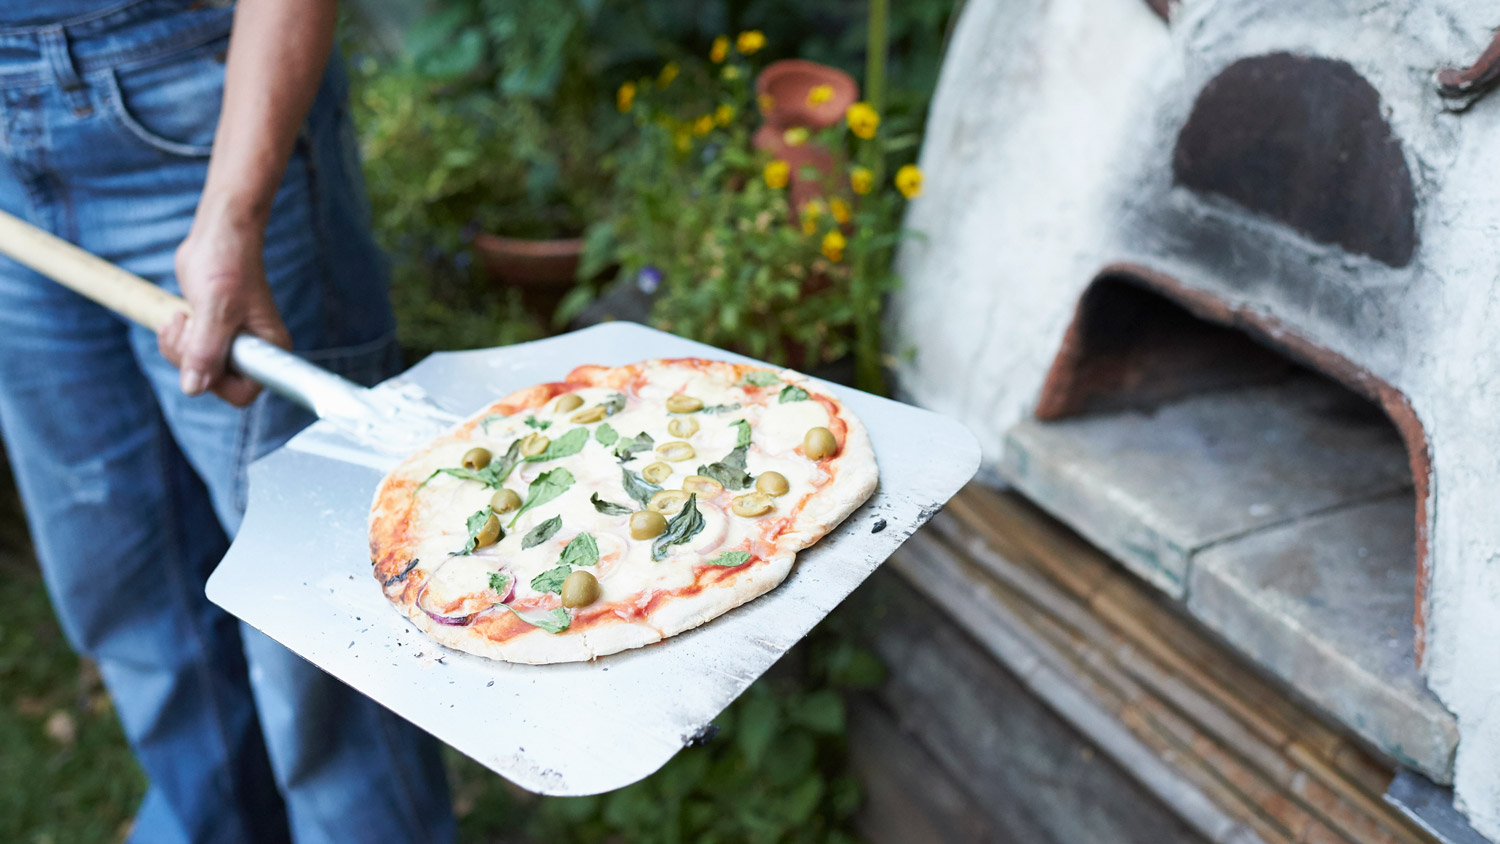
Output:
x=615 y=508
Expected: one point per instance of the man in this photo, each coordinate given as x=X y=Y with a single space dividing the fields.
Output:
x=222 y=168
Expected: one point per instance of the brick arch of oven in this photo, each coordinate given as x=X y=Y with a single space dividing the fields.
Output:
x=1089 y=373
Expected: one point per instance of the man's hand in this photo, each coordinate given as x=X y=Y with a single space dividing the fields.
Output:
x=220 y=270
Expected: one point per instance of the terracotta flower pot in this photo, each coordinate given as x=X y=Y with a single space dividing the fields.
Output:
x=789 y=81
x=519 y=262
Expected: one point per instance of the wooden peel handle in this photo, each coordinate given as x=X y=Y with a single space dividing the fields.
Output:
x=127 y=294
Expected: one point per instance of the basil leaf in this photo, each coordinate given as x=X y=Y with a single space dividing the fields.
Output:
x=566 y=445
x=551 y=580
x=683 y=526
x=614 y=404
x=555 y=621
x=730 y=471
x=539 y=424
x=541 y=533
x=721 y=408
x=491 y=476
x=500 y=582
x=792 y=393
x=626 y=447
x=401 y=575
x=475 y=524
x=638 y=487
x=742 y=428
x=730 y=558
x=582 y=551
x=547 y=486
x=759 y=378
x=606 y=435
x=609 y=508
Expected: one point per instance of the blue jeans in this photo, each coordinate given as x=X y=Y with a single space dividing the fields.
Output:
x=132 y=490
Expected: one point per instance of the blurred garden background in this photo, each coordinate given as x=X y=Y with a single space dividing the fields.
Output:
x=539 y=166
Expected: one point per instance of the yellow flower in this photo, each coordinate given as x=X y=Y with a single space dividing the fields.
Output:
x=909 y=181
x=795 y=136
x=861 y=179
x=833 y=245
x=811 y=211
x=720 y=49
x=809 y=225
x=819 y=94
x=625 y=97
x=668 y=73
x=863 y=120
x=730 y=72
x=765 y=102
x=840 y=210
x=703 y=125
x=723 y=114
x=776 y=173
x=750 y=41
x=682 y=139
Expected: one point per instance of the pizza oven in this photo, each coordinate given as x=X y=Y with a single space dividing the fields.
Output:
x=1216 y=285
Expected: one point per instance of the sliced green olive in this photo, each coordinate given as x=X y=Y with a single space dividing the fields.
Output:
x=676 y=451
x=668 y=501
x=702 y=485
x=505 y=500
x=819 y=443
x=772 y=483
x=534 y=444
x=490 y=533
x=751 y=504
x=683 y=426
x=646 y=524
x=572 y=401
x=657 y=472
x=683 y=404
x=588 y=417
x=580 y=589
x=476 y=459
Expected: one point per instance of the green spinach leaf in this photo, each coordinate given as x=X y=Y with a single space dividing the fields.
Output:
x=491 y=476
x=566 y=445
x=500 y=582
x=541 y=533
x=582 y=551
x=609 y=508
x=682 y=527
x=606 y=435
x=720 y=408
x=614 y=404
x=628 y=446
x=554 y=621
x=539 y=424
x=759 y=378
x=638 y=487
x=742 y=432
x=730 y=471
x=475 y=523
x=792 y=393
x=730 y=558
x=551 y=580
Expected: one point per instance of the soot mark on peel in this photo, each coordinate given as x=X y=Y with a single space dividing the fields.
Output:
x=879 y=526
x=702 y=737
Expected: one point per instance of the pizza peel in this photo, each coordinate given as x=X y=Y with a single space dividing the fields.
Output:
x=299 y=569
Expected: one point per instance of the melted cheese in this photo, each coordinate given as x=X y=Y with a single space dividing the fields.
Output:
x=460 y=584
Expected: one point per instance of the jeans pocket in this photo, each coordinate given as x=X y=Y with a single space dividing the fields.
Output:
x=171 y=106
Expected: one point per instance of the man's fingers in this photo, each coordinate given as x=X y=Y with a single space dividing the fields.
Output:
x=236 y=389
x=169 y=339
x=205 y=348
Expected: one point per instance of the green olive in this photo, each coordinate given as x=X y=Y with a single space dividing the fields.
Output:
x=772 y=483
x=702 y=485
x=580 y=589
x=668 y=501
x=534 y=444
x=572 y=401
x=490 y=533
x=647 y=524
x=657 y=472
x=751 y=504
x=475 y=459
x=683 y=404
x=505 y=500
x=588 y=417
x=676 y=451
x=683 y=426
x=819 y=443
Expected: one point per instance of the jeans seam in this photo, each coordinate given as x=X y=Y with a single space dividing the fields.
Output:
x=315 y=199
x=114 y=107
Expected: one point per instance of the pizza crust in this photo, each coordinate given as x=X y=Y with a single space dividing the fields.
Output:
x=402 y=525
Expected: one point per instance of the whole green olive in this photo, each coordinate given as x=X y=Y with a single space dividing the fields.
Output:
x=580 y=589
x=475 y=459
x=676 y=451
x=751 y=504
x=702 y=486
x=571 y=401
x=683 y=426
x=772 y=483
x=647 y=524
x=490 y=533
x=505 y=500
x=588 y=417
x=534 y=444
x=683 y=404
x=668 y=500
x=657 y=472
x=819 y=443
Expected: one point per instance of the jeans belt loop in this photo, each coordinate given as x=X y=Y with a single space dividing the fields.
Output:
x=59 y=58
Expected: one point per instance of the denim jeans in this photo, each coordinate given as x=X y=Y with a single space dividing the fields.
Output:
x=132 y=490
